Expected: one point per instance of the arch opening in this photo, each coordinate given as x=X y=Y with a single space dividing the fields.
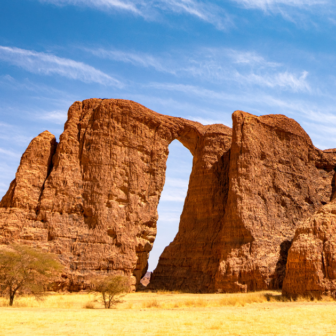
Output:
x=179 y=166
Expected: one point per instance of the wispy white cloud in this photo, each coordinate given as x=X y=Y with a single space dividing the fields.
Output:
x=292 y=10
x=57 y=117
x=271 y=4
x=175 y=190
x=220 y=65
x=206 y=11
x=127 y=5
x=285 y=80
x=216 y=65
x=151 y=9
x=135 y=58
x=10 y=153
x=242 y=57
x=48 y=64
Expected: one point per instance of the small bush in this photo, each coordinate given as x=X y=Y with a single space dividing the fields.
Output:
x=111 y=289
x=151 y=304
x=89 y=305
x=242 y=299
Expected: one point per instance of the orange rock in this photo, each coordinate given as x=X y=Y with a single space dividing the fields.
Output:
x=235 y=233
x=25 y=191
x=191 y=260
x=277 y=178
x=18 y=208
x=311 y=266
x=93 y=199
x=98 y=206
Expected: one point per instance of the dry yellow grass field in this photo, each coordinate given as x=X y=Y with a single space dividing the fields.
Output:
x=164 y=313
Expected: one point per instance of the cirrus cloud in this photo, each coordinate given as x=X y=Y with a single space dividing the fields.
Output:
x=205 y=11
x=48 y=64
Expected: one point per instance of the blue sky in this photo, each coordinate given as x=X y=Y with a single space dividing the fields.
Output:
x=189 y=58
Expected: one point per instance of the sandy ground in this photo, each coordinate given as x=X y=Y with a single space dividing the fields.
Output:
x=169 y=314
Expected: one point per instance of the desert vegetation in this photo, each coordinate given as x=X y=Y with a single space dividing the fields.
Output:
x=24 y=270
x=110 y=289
x=169 y=313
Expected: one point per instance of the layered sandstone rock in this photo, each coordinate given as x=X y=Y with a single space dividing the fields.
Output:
x=92 y=199
x=19 y=206
x=36 y=163
x=97 y=207
x=190 y=261
x=311 y=266
x=275 y=178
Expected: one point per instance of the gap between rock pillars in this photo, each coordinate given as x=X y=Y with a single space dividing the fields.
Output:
x=179 y=165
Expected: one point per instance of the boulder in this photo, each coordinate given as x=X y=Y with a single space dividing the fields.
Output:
x=311 y=265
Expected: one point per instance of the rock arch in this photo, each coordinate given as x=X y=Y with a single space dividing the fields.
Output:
x=92 y=198
x=95 y=204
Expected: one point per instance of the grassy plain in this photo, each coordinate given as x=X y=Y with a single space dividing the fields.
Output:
x=165 y=313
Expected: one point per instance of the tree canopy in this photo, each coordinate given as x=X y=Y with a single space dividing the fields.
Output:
x=111 y=288
x=24 y=270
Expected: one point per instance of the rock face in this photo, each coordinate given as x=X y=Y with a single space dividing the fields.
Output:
x=96 y=204
x=19 y=206
x=311 y=266
x=36 y=163
x=146 y=279
x=190 y=261
x=270 y=179
x=92 y=198
x=277 y=178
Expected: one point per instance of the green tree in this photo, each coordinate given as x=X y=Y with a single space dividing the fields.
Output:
x=111 y=289
x=24 y=270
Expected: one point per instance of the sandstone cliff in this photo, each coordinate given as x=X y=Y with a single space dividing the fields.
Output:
x=190 y=261
x=96 y=204
x=92 y=198
x=311 y=266
x=277 y=178
x=270 y=179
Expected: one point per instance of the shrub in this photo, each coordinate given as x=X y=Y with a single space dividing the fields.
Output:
x=111 y=289
x=89 y=305
x=151 y=304
x=24 y=270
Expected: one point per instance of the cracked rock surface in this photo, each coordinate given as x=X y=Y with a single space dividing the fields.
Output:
x=92 y=199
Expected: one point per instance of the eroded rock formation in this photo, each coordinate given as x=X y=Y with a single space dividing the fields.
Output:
x=92 y=198
x=311 y=266
x=277 y=178
x=191 y=260
x=270 y=179
x=95 y=204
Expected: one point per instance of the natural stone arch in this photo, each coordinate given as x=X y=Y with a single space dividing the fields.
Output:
x=97 y=206
x=94 y=201
x=190 y=262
